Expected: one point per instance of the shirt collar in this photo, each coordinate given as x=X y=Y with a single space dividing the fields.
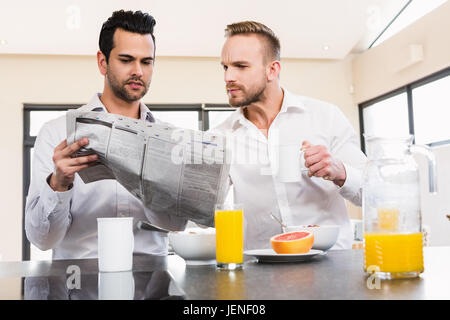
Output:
x=290 y=103
x=95 y=104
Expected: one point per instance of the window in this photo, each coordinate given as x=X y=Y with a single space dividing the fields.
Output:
x=411 y=11
x=184 y=116
x=193 y=116
x=183 y=119
x=388 y=117
x=38 y=118
x=431 y=104
x=421 y=108
x=216 y=114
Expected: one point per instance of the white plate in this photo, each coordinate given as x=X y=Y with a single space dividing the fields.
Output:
x=268 y=255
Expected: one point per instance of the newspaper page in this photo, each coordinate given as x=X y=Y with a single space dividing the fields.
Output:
x=173 y=171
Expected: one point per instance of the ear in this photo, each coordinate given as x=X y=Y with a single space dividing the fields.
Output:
x=273 y=70
x=101 y=62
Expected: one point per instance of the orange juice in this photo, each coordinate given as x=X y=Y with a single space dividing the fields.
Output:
x=229 y=236
x=394 y=253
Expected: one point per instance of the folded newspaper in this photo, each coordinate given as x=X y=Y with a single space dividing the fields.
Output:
x=173 y=171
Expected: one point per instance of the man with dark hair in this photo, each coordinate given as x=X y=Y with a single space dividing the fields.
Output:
x=270 y=116
x=61 y=210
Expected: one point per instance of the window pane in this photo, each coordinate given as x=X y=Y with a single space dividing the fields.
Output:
x=182 y=119
x=387 y=118
x=431 y=104
x=217 y=117
x=38 y=118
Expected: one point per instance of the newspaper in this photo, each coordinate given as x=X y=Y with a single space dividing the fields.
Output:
x=171 y=170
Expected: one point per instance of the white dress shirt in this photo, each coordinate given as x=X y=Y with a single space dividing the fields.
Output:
x=309 y=201
x=67 y=221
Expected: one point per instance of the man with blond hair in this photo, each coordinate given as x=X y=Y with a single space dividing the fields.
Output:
x=269 y=115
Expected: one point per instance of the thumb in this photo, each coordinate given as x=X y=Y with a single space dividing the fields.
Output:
x=305 y=145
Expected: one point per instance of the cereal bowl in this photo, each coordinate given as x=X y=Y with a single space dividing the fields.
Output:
x=195 y=245
x=325 y=236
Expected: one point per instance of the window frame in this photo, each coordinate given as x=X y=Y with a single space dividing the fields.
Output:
x=408 y=89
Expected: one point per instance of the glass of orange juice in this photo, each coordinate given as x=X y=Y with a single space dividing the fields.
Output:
x=229 y=223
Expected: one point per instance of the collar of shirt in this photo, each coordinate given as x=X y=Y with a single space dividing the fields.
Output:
x=95 y=104
x=291 y=103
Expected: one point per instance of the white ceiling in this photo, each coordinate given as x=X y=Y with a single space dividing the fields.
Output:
x=196 y=27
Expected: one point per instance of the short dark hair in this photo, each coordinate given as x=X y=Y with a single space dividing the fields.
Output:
x=137 y=22
x=252 y=27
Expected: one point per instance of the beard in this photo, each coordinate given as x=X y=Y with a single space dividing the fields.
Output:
x=250 y=96
x=120 y=90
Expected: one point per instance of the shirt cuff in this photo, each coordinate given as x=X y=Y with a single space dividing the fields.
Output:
x=54 y=199
x=351 y=188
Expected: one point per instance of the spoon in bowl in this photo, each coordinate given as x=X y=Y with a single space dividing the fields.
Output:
x=144 y=225
x=283 y=226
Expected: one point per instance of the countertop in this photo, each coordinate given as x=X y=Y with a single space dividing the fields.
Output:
x=336 y=275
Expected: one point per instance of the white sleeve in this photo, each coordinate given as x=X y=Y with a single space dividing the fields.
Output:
x=345 y=147
x=47 y=213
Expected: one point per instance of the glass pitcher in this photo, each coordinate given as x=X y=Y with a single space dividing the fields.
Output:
x=393 y=245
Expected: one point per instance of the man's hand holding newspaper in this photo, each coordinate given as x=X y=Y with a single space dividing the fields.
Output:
x=173 y=171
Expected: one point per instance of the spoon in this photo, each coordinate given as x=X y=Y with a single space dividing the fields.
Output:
x=283 y=226
x=144 y=225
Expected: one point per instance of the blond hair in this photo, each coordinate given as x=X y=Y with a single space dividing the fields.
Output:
x=253 y=27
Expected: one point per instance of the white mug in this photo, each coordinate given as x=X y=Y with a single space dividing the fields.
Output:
x=291 y=162
x=116 y=285
x=115 y=244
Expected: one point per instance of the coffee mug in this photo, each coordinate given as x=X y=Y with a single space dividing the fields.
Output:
x=115 y=244
x=291 y=163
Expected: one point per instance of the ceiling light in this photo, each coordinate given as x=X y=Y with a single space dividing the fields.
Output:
x=3 y=42
x=325 y=47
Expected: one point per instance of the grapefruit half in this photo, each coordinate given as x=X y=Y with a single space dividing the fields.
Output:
x=293 y=242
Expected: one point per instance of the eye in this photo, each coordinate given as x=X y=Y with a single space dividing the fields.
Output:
x=125 y=60
x=147 y=62
x=225 y=68
x=240 y=66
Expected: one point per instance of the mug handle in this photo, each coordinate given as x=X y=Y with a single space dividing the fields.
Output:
x=302 y=162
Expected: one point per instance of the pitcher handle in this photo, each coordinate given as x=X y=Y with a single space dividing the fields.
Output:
x=432 y=168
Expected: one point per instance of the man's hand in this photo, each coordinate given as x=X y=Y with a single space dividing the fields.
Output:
x=321 y=164
x=66 y=167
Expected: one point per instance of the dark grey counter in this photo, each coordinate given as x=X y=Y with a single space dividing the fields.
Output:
x=337 y=275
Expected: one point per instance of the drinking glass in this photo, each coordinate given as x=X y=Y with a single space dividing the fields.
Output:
x=229 y=236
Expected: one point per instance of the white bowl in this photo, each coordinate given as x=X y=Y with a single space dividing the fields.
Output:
x=324 y=236
x=195 y=245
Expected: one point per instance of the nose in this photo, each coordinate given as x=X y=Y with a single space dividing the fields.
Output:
x=229 y=75
x=137 y=69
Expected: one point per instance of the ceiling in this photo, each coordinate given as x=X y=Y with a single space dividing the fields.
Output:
x=320 y=29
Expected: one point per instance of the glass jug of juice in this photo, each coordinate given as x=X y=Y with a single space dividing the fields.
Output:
x=393 y=246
